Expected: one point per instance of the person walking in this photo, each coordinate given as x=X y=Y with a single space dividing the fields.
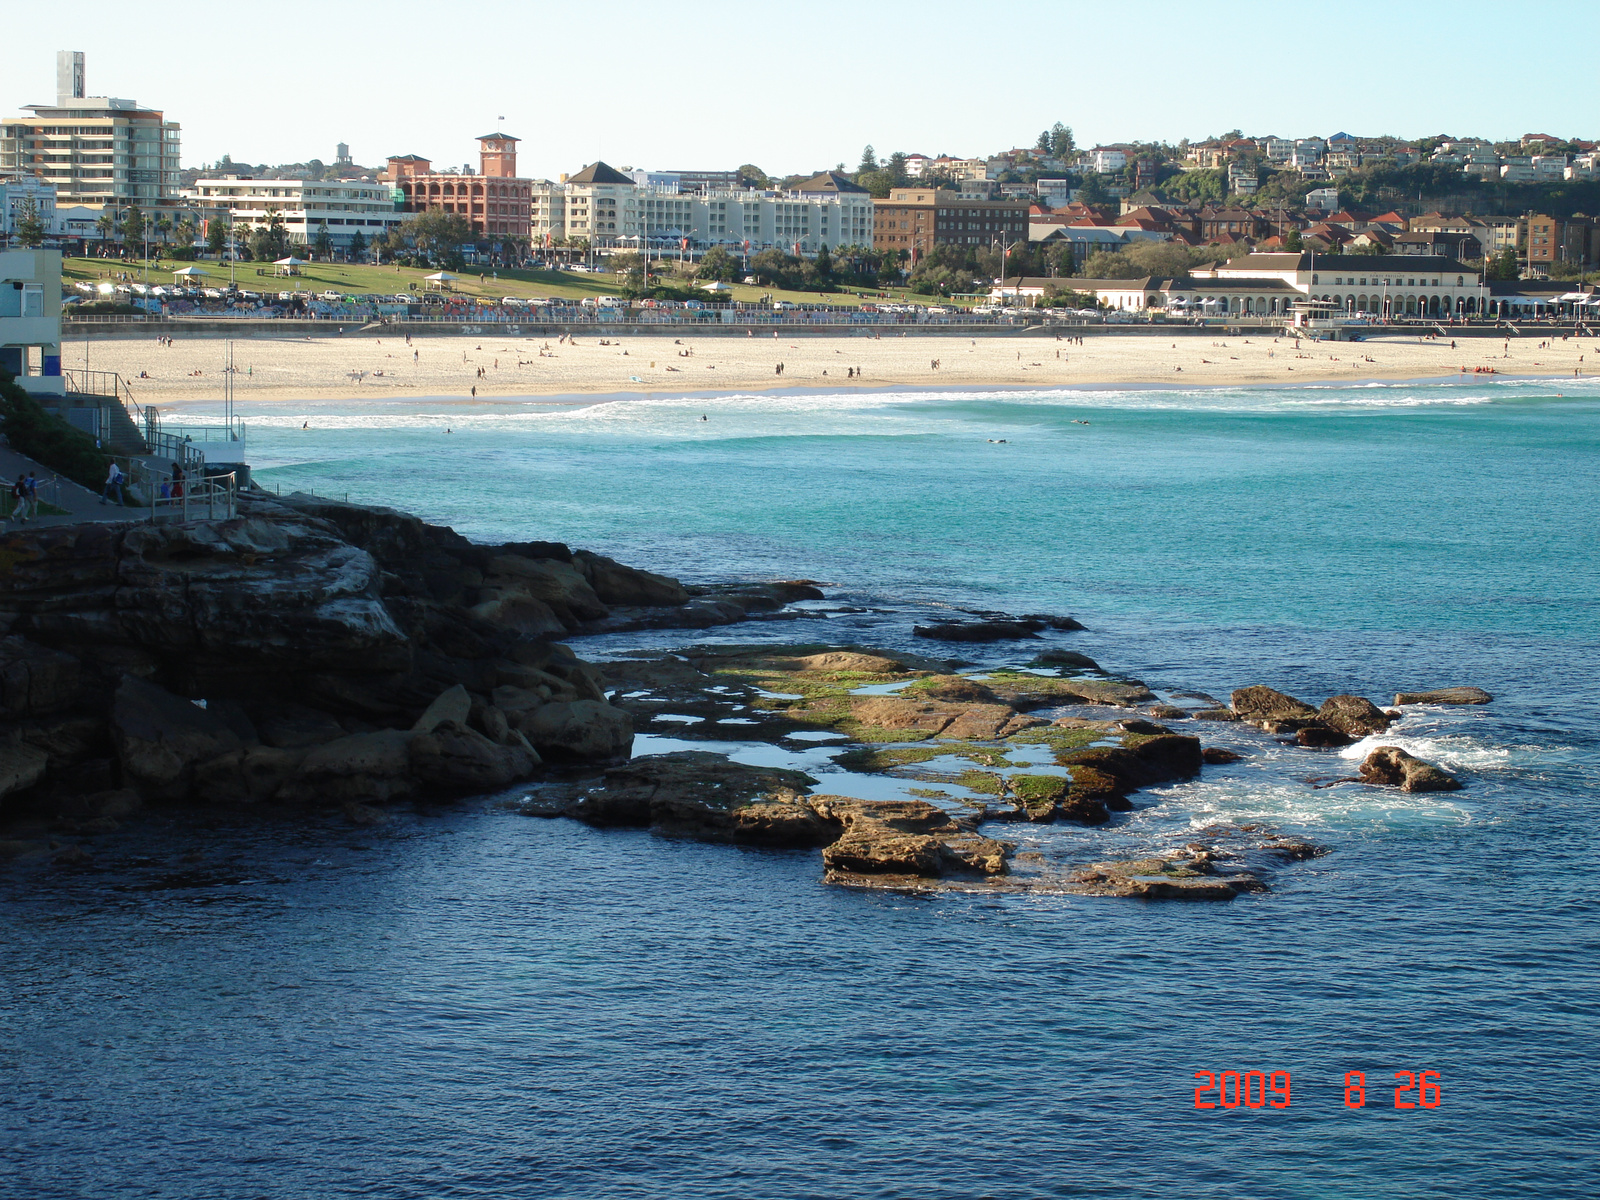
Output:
x=114 y=480
x=33 y=493
x=19 y=500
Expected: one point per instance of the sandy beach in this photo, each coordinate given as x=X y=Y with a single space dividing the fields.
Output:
x=191 y=369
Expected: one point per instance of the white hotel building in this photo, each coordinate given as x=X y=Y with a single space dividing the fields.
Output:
x=343 y=207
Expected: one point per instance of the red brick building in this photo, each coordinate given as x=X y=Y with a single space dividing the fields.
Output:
x=496 y=201
x=917 y=219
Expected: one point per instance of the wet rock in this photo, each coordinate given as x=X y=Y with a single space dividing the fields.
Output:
x=1064 y=658
x=35 y=681
x=1451 y=695
x=368 y=768
x=982 y=722
x=1193 y=877
x=160 y=738
x=1051 y=621
x=843 y=660
x=579 y=729
x=21 y=766
x=955 y=689
x=1169 y=712
x=289 y=726
x=1164 y=758
x=1390 y=766
x=1272 y=710
x=562 y=587
x=1319 y=736
x=454 y=758
x=896 y=843
x=1220 y=755
x=251 y=775
x=1353 y=715
x=1216 y=714
x=706 y=796
x=452 y=704
x=616 y=584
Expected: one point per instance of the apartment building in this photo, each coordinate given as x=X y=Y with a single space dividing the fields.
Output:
x=918 y=219
x=343 y=207
x=609 y=210
x=95 y=150
x=497 y=202
x=1552 y=240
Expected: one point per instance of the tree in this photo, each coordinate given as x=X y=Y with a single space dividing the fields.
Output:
x=269 y=242
x=133 y=226
x=184 y=231
x=823 y=264
x=30 y=229
x=1292 y=242
x=106 y=225
x=217 y=230
x=322 y=243
x=1093 y=191
x=753 y=176
x=717 y=263
x=869 y=159
x=1044 y=145
x=896 y=166
x=879 y=183
x=1061 y=143
x=1503 y=265
x=440 y=235
x=358 y=247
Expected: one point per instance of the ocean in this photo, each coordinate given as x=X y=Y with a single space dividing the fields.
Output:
x=469 y=1003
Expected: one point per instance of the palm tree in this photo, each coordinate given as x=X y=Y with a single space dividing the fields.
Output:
x=106 y=225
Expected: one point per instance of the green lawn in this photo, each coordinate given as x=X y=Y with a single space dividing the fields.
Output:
x=391 y=280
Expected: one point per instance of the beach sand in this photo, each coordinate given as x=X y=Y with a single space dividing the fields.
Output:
x=191 y=369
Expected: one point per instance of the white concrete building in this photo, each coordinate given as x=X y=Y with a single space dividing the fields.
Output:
x=344 y=207
x=30 y=319
x=610 y=211
x=1105 y=159
x=15 y=193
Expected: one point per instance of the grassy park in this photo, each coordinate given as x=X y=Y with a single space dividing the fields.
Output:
x=353 y=278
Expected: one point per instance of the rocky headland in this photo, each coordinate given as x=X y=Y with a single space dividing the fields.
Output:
x=312 y=655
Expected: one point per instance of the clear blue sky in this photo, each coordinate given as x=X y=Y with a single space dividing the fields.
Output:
x=800 y=86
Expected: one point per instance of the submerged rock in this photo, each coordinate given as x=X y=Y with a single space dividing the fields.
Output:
x=1320 y=736
x=1064 y=658
x=1390 y=766
x=1451 y=695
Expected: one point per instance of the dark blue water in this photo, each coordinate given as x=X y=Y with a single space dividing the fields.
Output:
x=468 y=1003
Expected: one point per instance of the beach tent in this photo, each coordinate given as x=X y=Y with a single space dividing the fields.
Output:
x=287 y=266
x=716 y=285
x=187 y=273
x=439 y=278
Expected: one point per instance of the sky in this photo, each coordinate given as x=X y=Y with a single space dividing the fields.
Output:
x=795 y=87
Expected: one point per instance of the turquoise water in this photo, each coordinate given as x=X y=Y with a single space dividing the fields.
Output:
x=466 y=1003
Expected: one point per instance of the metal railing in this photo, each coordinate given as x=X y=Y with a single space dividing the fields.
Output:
x=211 y=497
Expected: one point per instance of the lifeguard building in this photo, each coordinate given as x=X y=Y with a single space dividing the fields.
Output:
x=496 y=201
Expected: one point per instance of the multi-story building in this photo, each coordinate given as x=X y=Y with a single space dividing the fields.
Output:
x=343 y=207
x=608 y=210
x=30 y=319
x=96 y=150
x=1103 y=160
x=16 y=191
x=496 y=202
x=1552 y=240
x=918 y=219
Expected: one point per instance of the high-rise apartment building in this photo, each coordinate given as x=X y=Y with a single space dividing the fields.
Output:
x=96 y=150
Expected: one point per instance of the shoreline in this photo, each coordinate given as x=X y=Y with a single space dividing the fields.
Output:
x=468 y=368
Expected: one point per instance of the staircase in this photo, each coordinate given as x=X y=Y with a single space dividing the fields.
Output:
x=112 y=423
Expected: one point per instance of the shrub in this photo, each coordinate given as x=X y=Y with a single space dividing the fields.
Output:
x=49 y=440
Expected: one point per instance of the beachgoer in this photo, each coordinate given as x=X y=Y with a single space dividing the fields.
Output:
x=33 y=492
x=19 y=500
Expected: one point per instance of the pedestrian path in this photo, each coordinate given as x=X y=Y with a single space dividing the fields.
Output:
x=81 y=504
